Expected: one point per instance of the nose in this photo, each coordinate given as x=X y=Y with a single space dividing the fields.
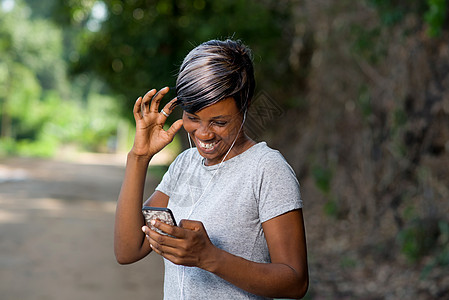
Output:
x=204 y=132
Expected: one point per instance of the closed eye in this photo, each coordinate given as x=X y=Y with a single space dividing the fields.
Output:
x=220 y=123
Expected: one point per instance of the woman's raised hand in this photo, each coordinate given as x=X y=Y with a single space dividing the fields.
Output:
x=150 y=134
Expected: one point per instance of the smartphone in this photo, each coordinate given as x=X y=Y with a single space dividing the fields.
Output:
x=161 y=213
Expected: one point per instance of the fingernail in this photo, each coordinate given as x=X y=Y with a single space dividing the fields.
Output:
x=153 y=222
x=143 y=228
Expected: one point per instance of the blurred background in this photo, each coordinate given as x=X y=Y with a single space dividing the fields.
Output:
x=355 y=94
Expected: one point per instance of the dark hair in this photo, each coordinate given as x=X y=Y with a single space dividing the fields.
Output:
x=213 y=71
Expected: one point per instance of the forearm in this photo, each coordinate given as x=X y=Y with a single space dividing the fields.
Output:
x=264 y=279
x=129 y=243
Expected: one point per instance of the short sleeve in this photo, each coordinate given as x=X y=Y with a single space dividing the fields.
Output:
x=279 y=190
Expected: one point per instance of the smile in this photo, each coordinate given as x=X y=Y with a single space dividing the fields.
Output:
x=206 y=146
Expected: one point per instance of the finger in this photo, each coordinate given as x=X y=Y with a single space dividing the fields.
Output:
x=137 y=109
x=154 y=105
x=191 y=224
x=168 y=229
x=174 y=128
x=163 y=251
x=162 y=243
x=146 y=229
x=173 y=257
x=168 y=108
x=154 y=238
x=155 y=246
x=144 y=106
x=161 y=246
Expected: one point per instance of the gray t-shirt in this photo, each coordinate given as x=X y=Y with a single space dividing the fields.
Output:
x=232 y=201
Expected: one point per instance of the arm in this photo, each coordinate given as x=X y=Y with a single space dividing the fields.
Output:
x=150 y=138
x=285 y=276
x=129 y=245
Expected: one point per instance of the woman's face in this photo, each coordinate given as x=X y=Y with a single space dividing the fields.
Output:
x=214 y=129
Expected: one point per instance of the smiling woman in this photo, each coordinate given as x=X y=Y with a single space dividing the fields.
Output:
x=241 y=233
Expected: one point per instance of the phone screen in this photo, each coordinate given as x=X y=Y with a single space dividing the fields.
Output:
x=161 y=213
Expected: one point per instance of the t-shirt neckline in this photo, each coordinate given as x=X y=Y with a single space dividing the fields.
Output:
x=232 y=159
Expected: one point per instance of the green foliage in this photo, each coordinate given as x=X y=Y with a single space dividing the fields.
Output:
x=367 y=45
x=332 y=209
x=433 y=12
x=141 y=43
x=364 y=102
x=390 y=12
x=323 y=178
x=54 y=122
x=7 y=146
x=399 y=118
x=323 y=181
x=34 y=44
x=418 y=239
x=138 y=46
x=441 y=258
x=436 y=16
x=347 y=262
x=39 y=108
x=30 y=62
x=40 y=147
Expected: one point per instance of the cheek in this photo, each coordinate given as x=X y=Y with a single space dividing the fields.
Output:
x=225 y=133
x=232 y=131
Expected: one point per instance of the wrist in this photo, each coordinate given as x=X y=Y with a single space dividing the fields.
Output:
x=133 y=156
x=213 y=260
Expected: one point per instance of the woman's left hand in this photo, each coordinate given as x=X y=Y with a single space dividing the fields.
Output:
x=189 y=246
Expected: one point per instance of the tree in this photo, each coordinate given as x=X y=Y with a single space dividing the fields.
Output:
x=141 y=43
x=30 y=61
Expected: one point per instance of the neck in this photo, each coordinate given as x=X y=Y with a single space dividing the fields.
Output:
x=242 y=143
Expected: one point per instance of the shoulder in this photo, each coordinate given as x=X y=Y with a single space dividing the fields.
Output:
x=183 y=160
x=260 y=152
x=267 y=167
x=277 y=187
x=271 y=159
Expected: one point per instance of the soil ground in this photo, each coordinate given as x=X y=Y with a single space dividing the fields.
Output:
x=56 y=232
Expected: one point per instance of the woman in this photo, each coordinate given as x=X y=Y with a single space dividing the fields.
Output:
x=242 y=232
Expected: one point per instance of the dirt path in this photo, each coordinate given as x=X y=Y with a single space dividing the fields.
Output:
x=56 y=232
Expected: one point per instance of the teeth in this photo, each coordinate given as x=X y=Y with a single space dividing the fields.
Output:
x=206 y=146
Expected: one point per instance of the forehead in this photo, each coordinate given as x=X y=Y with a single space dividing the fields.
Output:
x=225 y=108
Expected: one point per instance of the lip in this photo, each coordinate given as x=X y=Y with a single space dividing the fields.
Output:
x=203 y=149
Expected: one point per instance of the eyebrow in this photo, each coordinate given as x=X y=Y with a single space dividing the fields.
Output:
x=216 y=117
x=221 y=117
